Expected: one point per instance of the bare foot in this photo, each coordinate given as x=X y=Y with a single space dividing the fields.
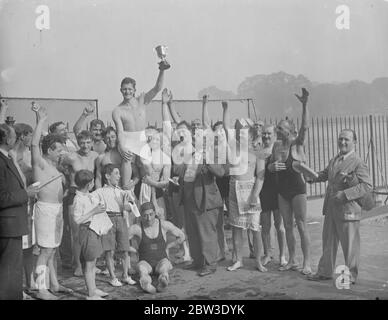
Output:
x=261 y=268
x=283 y=261
x=100 y=293
x=162 y=283
x=78 y=272
x=61 y=289
x=147 y=287
x=289 y=266
x=265 y=260
x=235 y=266
x=44 y=294
x=306 y=270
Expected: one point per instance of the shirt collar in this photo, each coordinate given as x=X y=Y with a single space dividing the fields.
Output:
x=80 y=193
x=111 y=187
x=346 y=155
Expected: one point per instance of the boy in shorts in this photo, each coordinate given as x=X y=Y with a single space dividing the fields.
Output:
x=86 y=205
x=116 y=201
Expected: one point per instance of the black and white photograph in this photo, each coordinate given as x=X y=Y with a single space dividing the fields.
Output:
x=213 y=150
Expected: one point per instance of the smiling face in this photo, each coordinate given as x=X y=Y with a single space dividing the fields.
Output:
x=128 y=91
x=113 y=178
x=61 y=130
x=97 y=132
x=283 y=130
x=111 y=139
x=85 y=145
x=346 y=142
x=267 y=136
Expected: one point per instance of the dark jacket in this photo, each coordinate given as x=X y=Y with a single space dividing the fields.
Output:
x=206 y=193
x=13 y=200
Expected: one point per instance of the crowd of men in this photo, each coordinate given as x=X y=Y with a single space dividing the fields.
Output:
x=136 y=191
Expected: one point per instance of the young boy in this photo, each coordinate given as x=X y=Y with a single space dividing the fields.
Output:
x=86 y=205
x=116 y=201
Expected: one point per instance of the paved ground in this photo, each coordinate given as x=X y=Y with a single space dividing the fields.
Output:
x=247 y=283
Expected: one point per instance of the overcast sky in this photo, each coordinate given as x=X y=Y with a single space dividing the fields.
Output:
x=92 y=45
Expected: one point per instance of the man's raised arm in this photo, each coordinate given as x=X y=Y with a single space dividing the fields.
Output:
x=158 y=86
x=303 y=126
x=89 y=109
x=205 y=114
x=225 y=117
x=36 y=157
x=175 y=116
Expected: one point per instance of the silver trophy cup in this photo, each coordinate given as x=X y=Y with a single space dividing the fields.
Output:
x=161 y=51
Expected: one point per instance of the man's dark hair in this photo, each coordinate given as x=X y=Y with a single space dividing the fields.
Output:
x=84 y=135
x=108 y=130
x=54 y=126
x=5 y=131
x=128 y=80
x=95 y=122
x=146 y=206
x=83 y=177
x=353 y=133
x=22 y=129
x=49 y=141
x=108 y=169
x=218 y=123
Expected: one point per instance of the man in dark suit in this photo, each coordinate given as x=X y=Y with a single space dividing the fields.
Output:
x=13 y=218
x=202 y=204
x=341 y=207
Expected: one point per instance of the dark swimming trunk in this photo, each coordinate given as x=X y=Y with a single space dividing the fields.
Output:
x=289 y=182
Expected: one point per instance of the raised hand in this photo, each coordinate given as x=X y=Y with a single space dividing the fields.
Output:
x=42 y=114
x=89 y=109
x=170 y=98
x=304 y=97
x=34 y=106
x=165 y=95
x=205 y=98
x=224 y=104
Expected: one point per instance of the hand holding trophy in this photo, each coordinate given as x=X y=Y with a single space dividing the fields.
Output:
x=161 y=51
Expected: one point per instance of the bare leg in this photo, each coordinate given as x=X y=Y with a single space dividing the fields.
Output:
x=145 y=280
x=76 y=247
x=54 y=284
x=163 y=267
x=237 y=235
x=90 y=277
x=299 y=208
x=110 y=263
x=257 y=248
x=265 y=219
x=281 y=235
x=126 y=173
x=126 y=262
x=288 y=218
x=41 y=275
x=186 y=250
